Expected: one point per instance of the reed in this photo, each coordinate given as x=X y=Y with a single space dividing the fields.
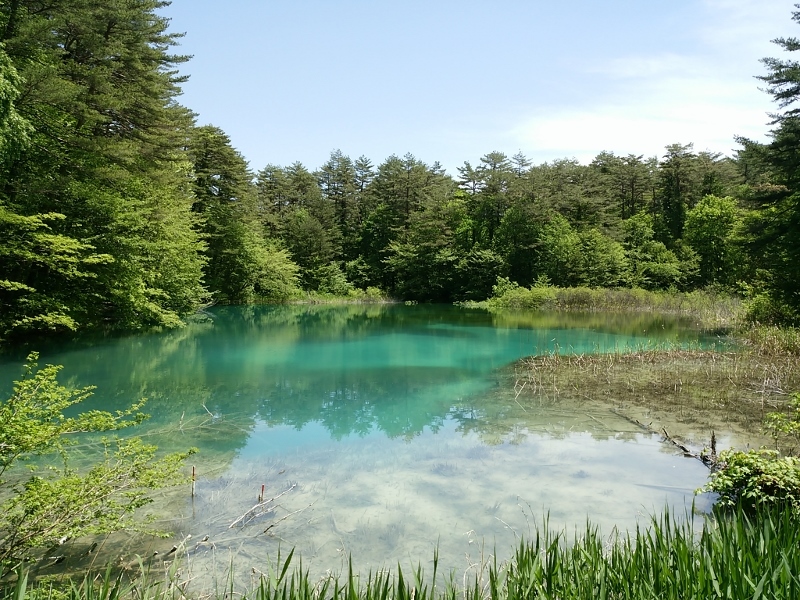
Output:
x=711 y=310
x=771 y=341
x=728 y=555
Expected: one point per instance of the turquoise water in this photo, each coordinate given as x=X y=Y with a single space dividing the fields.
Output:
x=392 y=429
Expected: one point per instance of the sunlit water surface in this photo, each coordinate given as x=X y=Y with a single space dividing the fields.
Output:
x=388 y=429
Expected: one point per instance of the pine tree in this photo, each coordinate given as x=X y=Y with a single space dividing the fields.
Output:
x=241 y=263
x=773 y=243
x=98 y=203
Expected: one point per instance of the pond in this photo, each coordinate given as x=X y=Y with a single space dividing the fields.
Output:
x=388 y=431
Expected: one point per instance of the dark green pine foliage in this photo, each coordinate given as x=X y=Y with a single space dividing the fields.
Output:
x=773 y=243
x=677 y=191
x=400 y=188
x=434 y=259
x=292 y=206
x=95 y=207
x=626 y=181
x=242 y=265
x=490 y=203
x=337 y=181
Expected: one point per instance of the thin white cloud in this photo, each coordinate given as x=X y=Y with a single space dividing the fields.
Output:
x=708 y=113
x=644 y=102
x=748 y=25
x=644 y=67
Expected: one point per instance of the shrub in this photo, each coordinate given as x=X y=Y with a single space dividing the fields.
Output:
x=535 y=297
x=763 y=308
x=55 y=504
x=755 y=478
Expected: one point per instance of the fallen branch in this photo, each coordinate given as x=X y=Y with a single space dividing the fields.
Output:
x=283 y=518
x=251 y=514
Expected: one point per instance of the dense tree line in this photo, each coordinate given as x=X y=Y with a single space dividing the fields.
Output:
x=419 y=233
x=116 y=209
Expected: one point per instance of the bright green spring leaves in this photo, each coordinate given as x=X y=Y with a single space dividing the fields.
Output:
x=762 y=477
x=59 y=502
x=756 y=477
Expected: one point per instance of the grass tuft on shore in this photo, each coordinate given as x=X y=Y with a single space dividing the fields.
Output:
x=736 y=554
x=710 y=309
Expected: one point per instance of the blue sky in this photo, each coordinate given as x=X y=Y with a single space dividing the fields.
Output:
x=450 y=81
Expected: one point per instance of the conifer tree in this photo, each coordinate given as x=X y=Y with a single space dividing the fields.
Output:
x=96 y=207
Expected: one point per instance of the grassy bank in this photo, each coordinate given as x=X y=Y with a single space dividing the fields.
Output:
x=733 y=556
x=710 y=310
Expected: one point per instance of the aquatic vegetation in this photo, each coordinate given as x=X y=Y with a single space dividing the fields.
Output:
x=730 y=555
x=691 y=392
x=709 y=309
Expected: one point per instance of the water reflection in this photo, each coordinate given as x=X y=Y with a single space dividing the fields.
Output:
x=352 y=369
x=398 y=426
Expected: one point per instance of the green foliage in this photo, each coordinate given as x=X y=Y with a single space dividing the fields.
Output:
x=766 y=309
x=560 y=252
x=273 y=275
x=56 y=503
x=778 y=423
x=308 y=243
x=652 y=265
x=29 y=243
x=241 y=264
x=503 y=285
x=771 y=240
x=734 y=556
x=95 y=199
x=677 y=190
x=476 y=273
x=14 y=130
x=756 y=477
x=517 y=240
x=116 y=210
x=627 y=181
x=329 y=279
x=539 y=296
x=603 y=261
x=710 y=229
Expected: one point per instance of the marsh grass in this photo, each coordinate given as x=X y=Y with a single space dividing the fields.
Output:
x=710 y=310
x=771 y=341
x=690 y=392
x=371 y=295
x=717 y=310
x=734 y=555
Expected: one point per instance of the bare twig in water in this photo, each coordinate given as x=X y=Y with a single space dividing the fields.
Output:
x=283 y=518
x=677 y=444
x=518 y=390
x=254 y=512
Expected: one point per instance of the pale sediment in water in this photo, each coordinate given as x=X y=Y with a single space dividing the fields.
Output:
x=394 y=431
x=382 y=502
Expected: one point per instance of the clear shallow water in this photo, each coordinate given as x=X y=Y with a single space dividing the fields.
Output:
x=394 y=429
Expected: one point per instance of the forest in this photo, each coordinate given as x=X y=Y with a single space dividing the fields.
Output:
x=118 y=211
